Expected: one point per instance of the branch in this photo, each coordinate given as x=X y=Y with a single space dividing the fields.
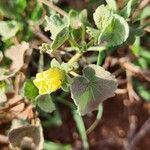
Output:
x=54 y=7
x=7 y=108
x=143 y=131
x=136 y=71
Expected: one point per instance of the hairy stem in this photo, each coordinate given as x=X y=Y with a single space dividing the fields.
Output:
x=81 y=128
x=75 y=58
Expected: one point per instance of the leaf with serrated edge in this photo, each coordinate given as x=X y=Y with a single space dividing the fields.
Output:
x=91 y=89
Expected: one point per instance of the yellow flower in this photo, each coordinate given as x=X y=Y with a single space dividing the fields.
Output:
x=50 y=80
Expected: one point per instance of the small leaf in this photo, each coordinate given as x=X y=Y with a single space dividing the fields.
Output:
x=91 y=89
x=55 y=24
x=29 y=90
x=102 y=17
x=116 y=32
x=112 y=4
x=126 y=11
x=64 y=66
x=55 y=63
x=12 y=9
x=36 y=12
x=74 y=20
x=94 y=33
x=8 y=29
x=60 y=38
x=145 y=12
x=83 y=15
x=45 y=103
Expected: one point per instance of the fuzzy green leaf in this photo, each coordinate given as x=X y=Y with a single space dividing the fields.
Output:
x=112 y=4
x=12 y=8
x=145 y=12
x=8 y=29
x=29 y=90
x=55 y=63
x=76 y=19
x=102 y=17
x=55 y=24
x=116 y=32
x=45 y=102
x=94 y=33
x=91 y=89
x=60 y=38
x=126 y=11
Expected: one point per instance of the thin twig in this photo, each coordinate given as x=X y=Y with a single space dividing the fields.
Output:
x=121 y=91
x=126 y=64
x=7 y=108
x=131 y=93
x=54 y=7
x=37 y=31
x=98 y=118
x=143 y=131
x=136 y=71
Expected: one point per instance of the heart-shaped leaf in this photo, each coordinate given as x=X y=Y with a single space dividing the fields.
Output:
x=91 y=89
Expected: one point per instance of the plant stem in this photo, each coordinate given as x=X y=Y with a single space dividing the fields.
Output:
x=75 y=58
x=83 y=34
x=79 y=122
x=98 y=118
x=101 y=56
x=54 y=7
x=81 y=128
x=74 y=73
x=41 y=63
